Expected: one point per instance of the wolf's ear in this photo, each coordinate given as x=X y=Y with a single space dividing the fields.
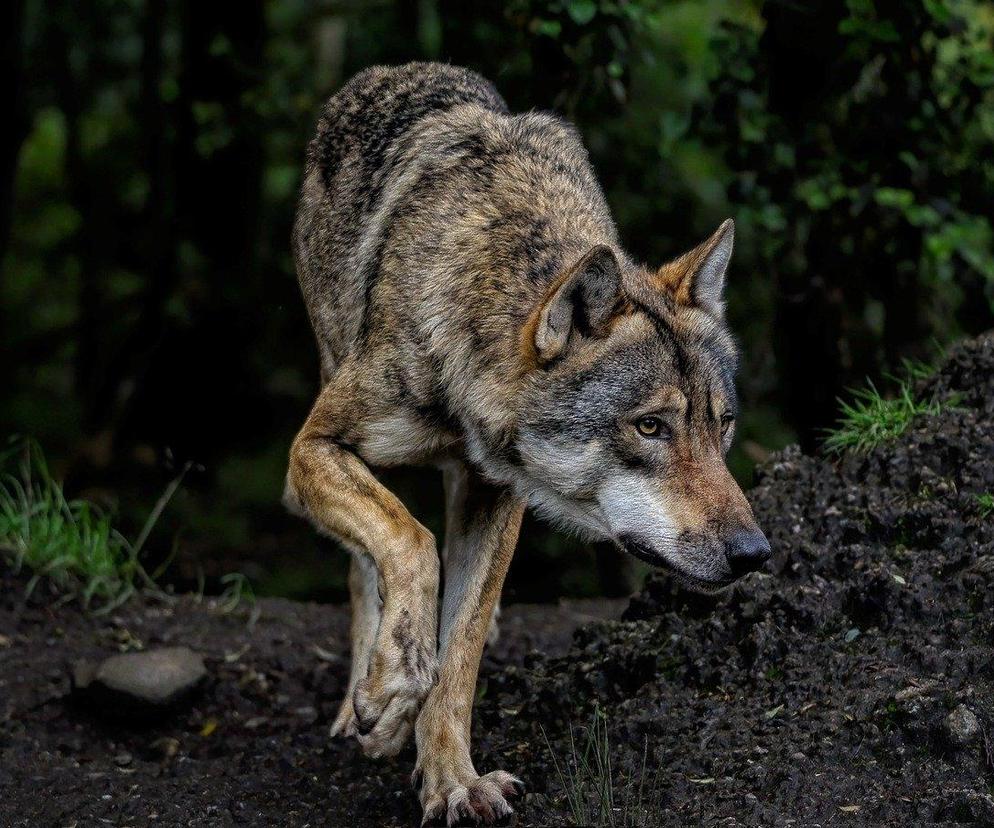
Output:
x=697 y=278
x=582 y=304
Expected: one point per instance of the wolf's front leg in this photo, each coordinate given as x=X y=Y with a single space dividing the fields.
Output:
x=481 y=533
x=333 y=488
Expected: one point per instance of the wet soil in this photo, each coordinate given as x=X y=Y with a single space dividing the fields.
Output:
x=851 y=684
x=252 y=747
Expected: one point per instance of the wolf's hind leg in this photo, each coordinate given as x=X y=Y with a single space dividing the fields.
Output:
x=366 y=610
x=481 y=533
x=333 y=487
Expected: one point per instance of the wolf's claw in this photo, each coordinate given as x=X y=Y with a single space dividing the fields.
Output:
x=479 y=801
x=345 y=723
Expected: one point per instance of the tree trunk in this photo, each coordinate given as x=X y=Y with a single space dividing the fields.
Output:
x=12 y=84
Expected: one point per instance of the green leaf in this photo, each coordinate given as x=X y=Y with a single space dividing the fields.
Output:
x=923 y=215
x=894 y=197
x=880 y=30
x=582 y=11
x=939 y=9
x=549 y=28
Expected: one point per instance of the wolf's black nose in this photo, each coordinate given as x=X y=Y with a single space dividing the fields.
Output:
x=746 y=552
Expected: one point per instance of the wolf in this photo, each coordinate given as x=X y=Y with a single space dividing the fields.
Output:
x=474 y=310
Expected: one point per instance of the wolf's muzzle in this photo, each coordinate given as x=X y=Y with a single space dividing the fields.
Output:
x=747 y=551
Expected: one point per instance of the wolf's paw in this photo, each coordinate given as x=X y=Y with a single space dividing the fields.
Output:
x=472 y=800
x=387 y=701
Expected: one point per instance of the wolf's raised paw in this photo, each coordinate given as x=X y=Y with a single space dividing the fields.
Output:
x=480 y=801
x=386 y=705
x=385 y=721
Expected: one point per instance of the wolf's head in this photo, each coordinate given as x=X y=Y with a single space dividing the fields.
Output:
x=631 y=410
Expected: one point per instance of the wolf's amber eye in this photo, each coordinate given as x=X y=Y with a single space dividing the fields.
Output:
x=726 y=421
x=652 y=427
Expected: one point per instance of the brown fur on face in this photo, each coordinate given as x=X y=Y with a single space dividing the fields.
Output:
x=706 y=498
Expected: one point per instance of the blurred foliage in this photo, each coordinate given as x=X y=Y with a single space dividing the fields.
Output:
x=150 y=315
x=862 y=142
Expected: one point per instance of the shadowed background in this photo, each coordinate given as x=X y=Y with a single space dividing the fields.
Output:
x=149 y=314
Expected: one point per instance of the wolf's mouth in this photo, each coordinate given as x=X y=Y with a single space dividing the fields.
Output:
x=694 y=583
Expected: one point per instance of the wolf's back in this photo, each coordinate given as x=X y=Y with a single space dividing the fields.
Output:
x=429 y=214
x=353 y=166
x=381 y=103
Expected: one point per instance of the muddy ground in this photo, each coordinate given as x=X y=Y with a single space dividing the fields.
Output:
x=851 y=684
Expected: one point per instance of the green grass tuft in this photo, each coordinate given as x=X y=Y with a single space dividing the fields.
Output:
x=986 y=503
x=588 y=783
x=73 y=543
x=871 y=419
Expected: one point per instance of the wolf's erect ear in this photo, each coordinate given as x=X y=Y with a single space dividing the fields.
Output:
x=583 y=303
x=697 y=278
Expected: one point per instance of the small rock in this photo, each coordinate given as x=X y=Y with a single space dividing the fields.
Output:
x=139 y=684
x=122 y=760
x=961 y=726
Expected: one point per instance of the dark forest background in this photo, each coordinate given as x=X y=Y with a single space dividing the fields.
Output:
x=149 y=314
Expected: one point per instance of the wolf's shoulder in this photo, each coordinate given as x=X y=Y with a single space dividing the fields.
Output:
x=381 y=103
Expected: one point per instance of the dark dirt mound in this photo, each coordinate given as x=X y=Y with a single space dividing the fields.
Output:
x=823 y=691
x=853 y=684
